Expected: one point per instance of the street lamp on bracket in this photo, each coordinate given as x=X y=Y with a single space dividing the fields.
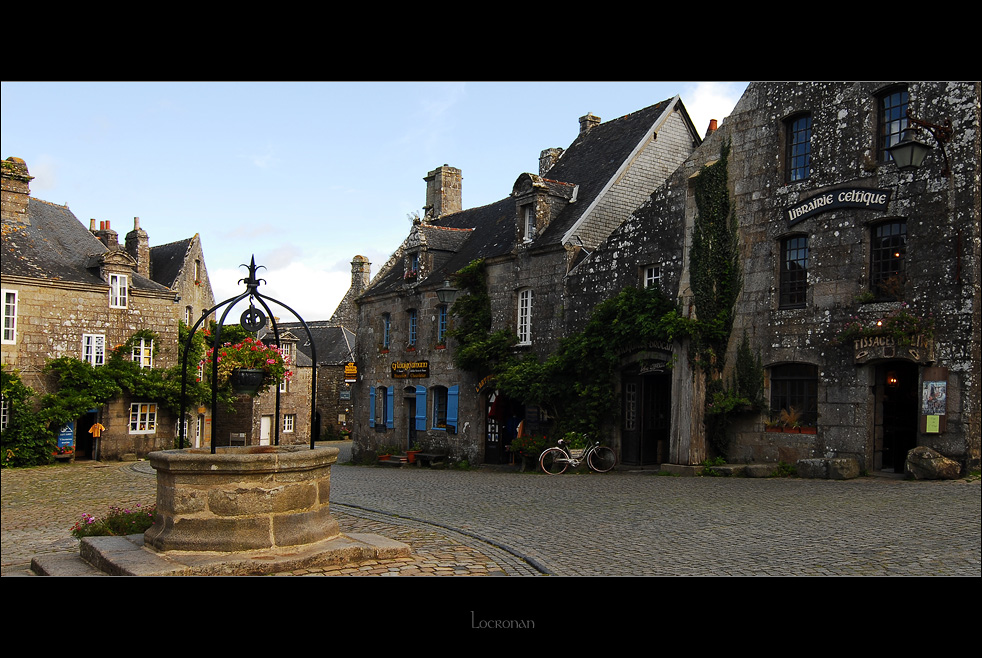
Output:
x=909 y=152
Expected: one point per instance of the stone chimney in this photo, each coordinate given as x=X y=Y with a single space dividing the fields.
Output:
x=443 y=192
x=548 y=158
x=16 y=190
x=360 y=274
x=588 y=123
x=106 y=235
x=138 y=246
x=346 y=314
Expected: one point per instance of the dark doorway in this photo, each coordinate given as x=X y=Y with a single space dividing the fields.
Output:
x=410 y=398
x=85 y=440
x=896 y=387
x=646 y=418
x=503 y=419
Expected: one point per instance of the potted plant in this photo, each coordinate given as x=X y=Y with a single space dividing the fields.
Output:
x=251 y=366
x=412 y=452
x=63 y=452
x=791 y=420
x=772 y=424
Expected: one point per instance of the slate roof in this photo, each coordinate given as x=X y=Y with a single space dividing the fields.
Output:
x=590 y=162
x=167 y=261
x=56 y=246
x=335 y=345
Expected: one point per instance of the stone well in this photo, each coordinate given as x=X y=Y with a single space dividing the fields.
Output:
x=242 y=498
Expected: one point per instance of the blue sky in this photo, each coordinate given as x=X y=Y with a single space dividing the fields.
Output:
x=303 y=175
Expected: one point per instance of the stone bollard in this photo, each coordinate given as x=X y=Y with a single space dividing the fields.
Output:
x=242 y=498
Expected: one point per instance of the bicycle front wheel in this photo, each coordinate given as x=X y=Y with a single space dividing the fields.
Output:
x=554 y=461
x=602 y=459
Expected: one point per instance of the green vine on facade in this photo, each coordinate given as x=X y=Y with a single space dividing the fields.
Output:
x=478 y=348
x=34 y=421
x=716 y=280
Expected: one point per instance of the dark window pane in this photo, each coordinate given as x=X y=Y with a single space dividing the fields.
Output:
x=794 y=271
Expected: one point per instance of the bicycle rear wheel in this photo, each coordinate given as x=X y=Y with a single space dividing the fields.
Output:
x=554 y=461
x=602 y=459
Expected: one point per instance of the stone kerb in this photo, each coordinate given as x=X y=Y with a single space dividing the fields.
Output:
x=242 y=498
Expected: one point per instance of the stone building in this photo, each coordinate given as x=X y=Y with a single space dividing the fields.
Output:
x=279 y=415
x=74 y=292
x=408 y=389
x=860 y=281
x=335 y=348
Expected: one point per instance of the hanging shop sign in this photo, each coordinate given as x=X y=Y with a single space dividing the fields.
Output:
x=410 y=369
x=856 y=197
x=917 y=348
x=350 y=373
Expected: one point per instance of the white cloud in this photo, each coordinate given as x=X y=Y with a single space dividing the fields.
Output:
x=711 y=100
x=311 y=291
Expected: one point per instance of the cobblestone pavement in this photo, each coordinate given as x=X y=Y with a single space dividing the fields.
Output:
x=491 y=522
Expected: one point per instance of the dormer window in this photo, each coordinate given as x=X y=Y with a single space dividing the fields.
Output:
x=117 y=290
x=412 y=267
x=528 y=213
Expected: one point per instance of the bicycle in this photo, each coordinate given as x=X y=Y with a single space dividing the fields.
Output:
x=557 y=459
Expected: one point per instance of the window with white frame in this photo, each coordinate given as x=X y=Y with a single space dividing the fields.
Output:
x=188 y=316
x=651 y=275
x=143 y=418
x=9 y=316
x=4 y=414
x=284 y=386
x=529 y=222
x=386 y=330
x=143 y=352
x=117 y=290
x=525 y=316
x=288 y=422
x=94 y=349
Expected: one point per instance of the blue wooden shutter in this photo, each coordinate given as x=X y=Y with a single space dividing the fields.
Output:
x=453 y=393
x=389 y=397
x=421 y=408
x=371 y=406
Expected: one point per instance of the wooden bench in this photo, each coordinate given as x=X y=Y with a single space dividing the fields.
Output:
x=430 y=458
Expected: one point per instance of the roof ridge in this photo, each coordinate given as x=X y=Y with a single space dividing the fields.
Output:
x=50 y=203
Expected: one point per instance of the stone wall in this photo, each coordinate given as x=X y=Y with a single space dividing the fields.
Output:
x=941 y=260
x=52 y=320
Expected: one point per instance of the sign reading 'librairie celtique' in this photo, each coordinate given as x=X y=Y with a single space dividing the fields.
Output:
x=858 y=197
x=404 y=369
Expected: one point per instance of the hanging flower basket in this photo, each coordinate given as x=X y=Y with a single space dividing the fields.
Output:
x=251 y=366
x=247 y=380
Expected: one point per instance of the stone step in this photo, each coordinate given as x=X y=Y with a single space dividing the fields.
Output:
x=127 y=556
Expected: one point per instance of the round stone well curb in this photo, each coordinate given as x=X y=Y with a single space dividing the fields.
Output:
x=242 y=498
